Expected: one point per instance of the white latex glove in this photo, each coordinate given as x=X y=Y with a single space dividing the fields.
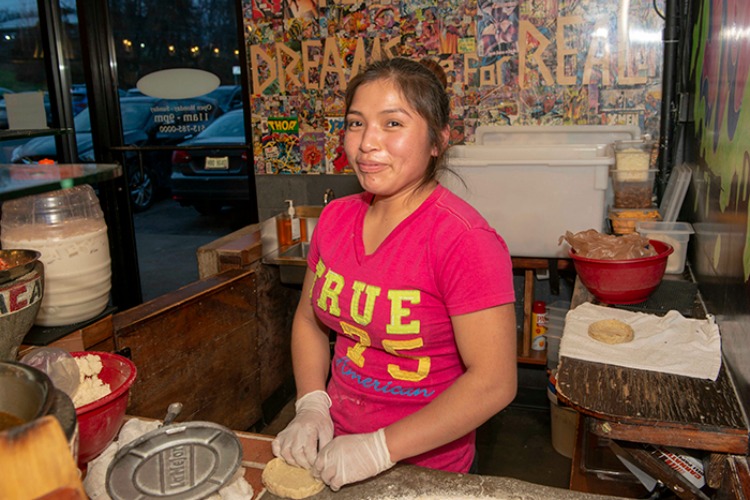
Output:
x=351 y=458
x=310 y=430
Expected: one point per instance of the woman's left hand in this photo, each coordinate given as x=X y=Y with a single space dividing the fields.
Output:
x=351 y=458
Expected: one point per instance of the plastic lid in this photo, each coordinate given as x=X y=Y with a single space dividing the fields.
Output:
x=52 y=208
x=187 y=461
x=554 y=134
x=674 y=194
x=664 y=227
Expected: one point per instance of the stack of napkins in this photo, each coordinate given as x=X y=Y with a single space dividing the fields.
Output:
x=669 y=344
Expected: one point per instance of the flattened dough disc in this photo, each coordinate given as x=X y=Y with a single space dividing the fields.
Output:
x=611 y=331
x=288 y=481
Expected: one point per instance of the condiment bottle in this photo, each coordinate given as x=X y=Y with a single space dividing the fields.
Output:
x=539 y=326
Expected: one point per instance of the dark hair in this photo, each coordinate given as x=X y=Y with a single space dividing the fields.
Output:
x=422 y=88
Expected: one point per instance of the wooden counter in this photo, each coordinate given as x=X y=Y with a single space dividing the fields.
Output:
x=656 y=408
x=632 y=407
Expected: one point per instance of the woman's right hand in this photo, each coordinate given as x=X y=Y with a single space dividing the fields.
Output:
x=309 y=431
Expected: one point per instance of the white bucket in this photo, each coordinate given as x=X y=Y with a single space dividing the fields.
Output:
x=77 y=269
x=563 y=425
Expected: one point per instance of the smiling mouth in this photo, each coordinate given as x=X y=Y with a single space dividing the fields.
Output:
x=368 y=167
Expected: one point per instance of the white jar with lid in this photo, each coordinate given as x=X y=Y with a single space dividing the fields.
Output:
x=67 y=227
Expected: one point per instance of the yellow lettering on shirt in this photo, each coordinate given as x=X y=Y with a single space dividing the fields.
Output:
x=423 y=362
x=371 y=293
x=399 y=312
x=320 y=269
x=356 y=353
x=329 y=293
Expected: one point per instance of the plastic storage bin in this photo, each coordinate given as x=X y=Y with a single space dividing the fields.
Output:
x=558 y=309
x=633 y=188
x=676 y=234
x=633 y=154
x=532 y=196
x=545 y=135
x=623 y=220
x=563 y=423
x=534 y=183
x=718 y=250
x=67 y=227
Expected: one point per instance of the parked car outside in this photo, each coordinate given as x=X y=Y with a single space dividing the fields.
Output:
x=228 y=96
x=214 y=176
x=3 y=109
x=79 y=98
x=146 y=121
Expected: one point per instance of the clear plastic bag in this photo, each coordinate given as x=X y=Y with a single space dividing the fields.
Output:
x=59 y=365
x=594 y=245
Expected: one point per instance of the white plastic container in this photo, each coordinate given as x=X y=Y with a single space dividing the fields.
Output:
x=542 y=135
x=68 y=228
x=634 y=156
x=558 y=309
x=718 y=250
x=563 y=423
x=676 y=234
x=534 y=183
x=633 y=188
x=532 y=196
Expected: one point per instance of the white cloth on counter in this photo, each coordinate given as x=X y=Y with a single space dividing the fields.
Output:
x=669 y=344
x=96 y=475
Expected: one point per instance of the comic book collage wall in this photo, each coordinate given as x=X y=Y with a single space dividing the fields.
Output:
x=521 y=62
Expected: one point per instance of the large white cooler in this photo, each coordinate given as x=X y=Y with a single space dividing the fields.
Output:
x=534 y=183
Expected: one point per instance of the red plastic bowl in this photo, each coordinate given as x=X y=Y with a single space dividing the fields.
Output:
x=100 y=420
x=623 y=281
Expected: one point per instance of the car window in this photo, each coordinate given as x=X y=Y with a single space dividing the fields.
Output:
x=231 y=125
x=82 y=121
x=135 y=115
x=228 y=96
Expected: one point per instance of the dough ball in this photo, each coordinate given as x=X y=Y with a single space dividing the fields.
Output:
x=289 y=481
x=611 y=331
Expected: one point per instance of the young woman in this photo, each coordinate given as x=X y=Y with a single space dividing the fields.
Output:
x=418 y=289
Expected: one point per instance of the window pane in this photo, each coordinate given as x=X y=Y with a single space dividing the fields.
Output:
x=21 y=60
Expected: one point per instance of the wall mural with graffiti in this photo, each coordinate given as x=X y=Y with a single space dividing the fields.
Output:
x=720 y=67
x=717 y=203
x=524 y=62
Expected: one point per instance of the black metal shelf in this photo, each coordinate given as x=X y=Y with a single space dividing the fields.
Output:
x=18 y=180
x=8 y=135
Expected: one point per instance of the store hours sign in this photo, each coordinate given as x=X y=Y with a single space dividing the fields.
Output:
x=175 y=118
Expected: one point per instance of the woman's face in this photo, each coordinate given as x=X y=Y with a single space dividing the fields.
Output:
x=387 y=141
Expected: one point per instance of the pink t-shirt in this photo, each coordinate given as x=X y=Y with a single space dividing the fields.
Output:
x=395 y=349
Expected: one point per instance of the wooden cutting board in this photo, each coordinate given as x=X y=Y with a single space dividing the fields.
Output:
x=37 y=463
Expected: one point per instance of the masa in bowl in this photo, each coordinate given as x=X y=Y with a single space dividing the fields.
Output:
x=628 y=281
x=100 y=420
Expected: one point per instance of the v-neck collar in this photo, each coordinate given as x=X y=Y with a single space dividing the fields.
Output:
x=359 y=243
